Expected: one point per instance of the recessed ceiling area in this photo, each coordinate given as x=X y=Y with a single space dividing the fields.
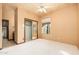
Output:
x=34 y=7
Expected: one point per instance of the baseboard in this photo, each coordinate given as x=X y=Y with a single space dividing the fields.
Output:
x=10 y=39
x=20 y=43
x=0 y=48
x=15 y=42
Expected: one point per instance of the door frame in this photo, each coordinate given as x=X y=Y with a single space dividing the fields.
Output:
x=26 y=19
x=7 y=27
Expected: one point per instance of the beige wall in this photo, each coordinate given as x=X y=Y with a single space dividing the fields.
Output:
x=78 y=24
x=21 y=14
x=39 y=28
x=63 y=25
x=9 y=14
x=0 y=25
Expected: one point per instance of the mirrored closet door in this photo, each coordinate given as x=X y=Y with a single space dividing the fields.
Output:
x=34 y=30
x=30 y=30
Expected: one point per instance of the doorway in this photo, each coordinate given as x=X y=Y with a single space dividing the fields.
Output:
x=5 y=29
x=30 y=30
x=5 y=34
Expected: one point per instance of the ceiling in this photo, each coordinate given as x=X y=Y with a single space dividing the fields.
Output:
x=33 y=7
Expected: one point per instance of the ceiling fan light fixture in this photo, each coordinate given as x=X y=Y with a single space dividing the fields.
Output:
x=42 y=9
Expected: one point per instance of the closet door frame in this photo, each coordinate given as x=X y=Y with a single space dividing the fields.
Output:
x=26 y=19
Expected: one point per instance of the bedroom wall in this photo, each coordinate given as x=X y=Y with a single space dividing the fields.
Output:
x=63 y=25
x=0 y=25
x=78 y=24
x=9 y=14
x=21 y=14
x=39 y=28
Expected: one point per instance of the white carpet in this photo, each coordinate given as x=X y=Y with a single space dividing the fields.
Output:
x=41 y=47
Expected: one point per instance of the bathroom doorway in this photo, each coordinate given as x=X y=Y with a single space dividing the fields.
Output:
x=6 y=42
x=5 y=29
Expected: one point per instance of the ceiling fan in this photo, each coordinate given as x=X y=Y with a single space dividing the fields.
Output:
x=42 y=9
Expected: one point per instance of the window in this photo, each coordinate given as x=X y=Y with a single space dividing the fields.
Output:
x=46 y=26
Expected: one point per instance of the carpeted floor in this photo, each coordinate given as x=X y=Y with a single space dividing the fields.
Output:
x=41 y=47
